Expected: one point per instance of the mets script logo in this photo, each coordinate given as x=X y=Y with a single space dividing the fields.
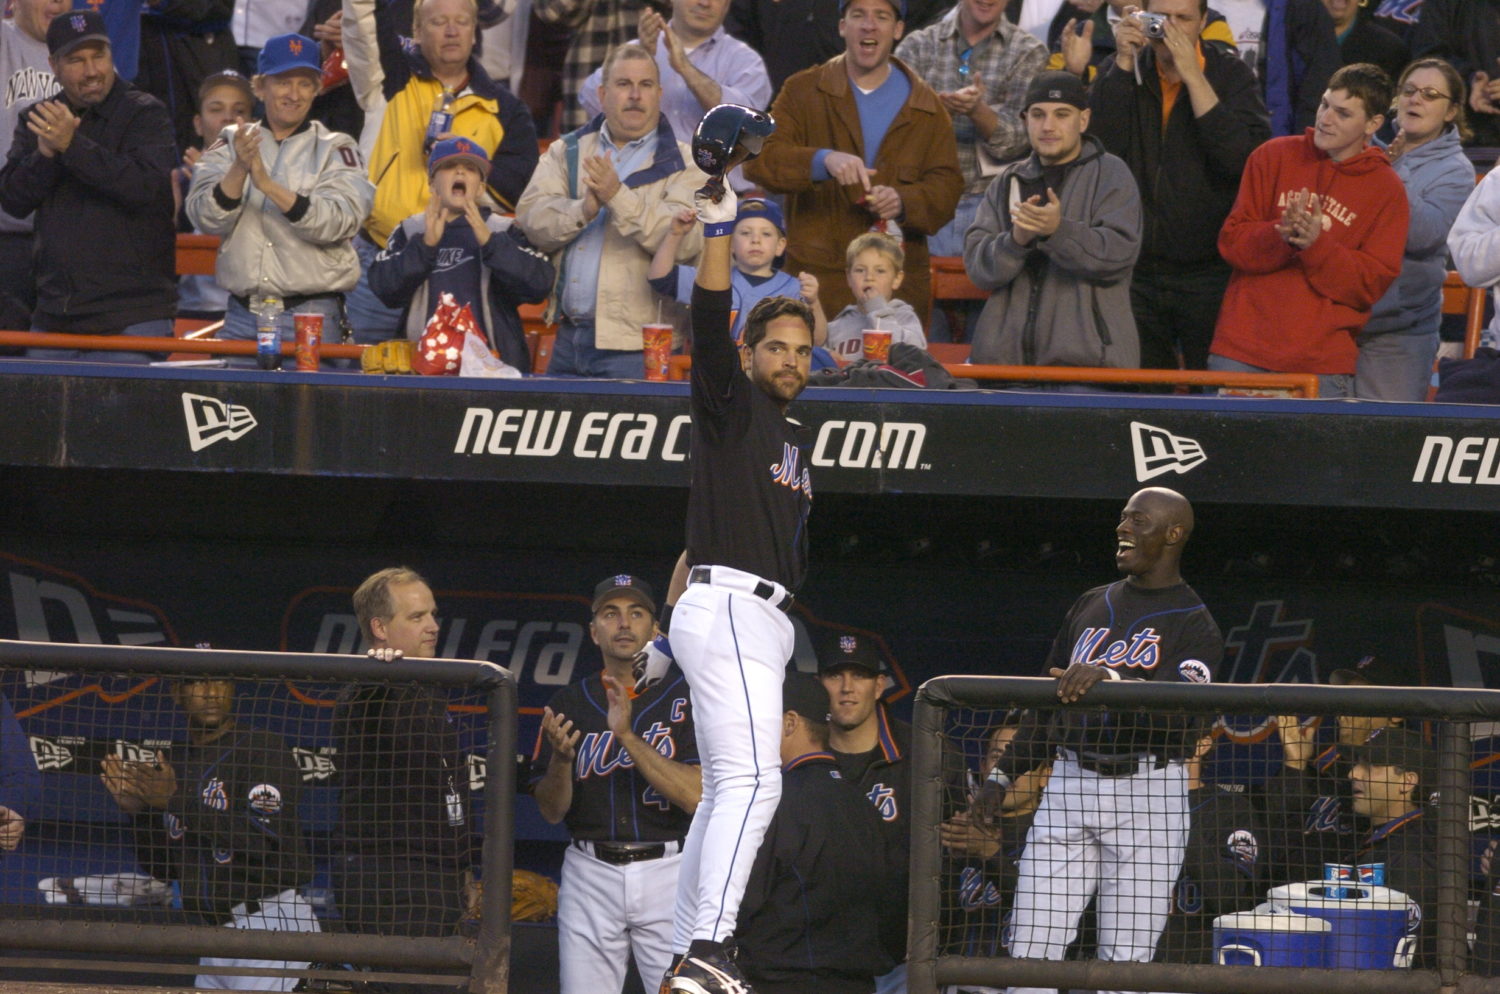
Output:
x=1142 y=651
x=790 y=472
x=210 y=420
x=598 y=756
x=884 y=799
x=975 y=892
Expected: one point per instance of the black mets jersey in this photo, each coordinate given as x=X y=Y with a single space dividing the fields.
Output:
x=1223 y=871
x=1138 y=633
x=751 y=490
x=230 y=832
x=611 y=801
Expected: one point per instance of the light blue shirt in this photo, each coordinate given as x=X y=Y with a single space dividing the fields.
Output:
x=586 y=254
x=877 y=110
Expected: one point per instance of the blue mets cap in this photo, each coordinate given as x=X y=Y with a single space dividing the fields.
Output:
x=453 y=149
x=285 y=53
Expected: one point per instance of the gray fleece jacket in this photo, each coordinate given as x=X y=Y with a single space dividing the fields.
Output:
x=1438 y=178
x=1063 y=300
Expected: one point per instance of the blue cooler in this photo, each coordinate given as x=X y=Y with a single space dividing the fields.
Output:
x=1368 y=923
x=1271 y=938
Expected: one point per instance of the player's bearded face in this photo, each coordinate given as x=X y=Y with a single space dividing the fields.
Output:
x=780 y=361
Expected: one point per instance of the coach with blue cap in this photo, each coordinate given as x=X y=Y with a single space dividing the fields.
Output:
x=93 y=164
x=286 y=195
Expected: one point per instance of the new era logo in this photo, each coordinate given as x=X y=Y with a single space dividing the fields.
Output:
x=210 y=420
x=1158 y=451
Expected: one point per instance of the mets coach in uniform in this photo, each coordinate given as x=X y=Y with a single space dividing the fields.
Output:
x=746 y=554
x=623 y=775
x=1113 y=822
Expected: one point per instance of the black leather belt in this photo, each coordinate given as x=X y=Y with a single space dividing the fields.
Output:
x=620 y=853
x=1124 y=766
x=294 y=301
x=760 y=588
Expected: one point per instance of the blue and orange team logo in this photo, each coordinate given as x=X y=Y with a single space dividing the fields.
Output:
x=214 y=796
x=295 y=46
x=848 y=643
x=468 y=148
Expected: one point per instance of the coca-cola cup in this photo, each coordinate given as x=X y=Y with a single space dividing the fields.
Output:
x=309 y=341
x=657 y=340
x=877 y=345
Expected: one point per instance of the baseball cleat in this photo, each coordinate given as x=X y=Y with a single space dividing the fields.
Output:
x=711 y=974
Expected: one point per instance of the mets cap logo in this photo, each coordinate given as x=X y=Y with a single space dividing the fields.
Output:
x=848 y=643
x=468 y=148
x=295 y=46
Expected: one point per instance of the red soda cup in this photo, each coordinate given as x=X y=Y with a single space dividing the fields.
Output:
x=309 y=341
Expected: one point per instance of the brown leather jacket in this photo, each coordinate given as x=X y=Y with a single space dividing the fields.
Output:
x=918 y=157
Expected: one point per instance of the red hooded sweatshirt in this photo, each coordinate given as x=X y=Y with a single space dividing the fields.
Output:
x=1298 y=311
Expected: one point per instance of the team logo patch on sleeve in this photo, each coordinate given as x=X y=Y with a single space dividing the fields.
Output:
x=1243 y=847
x=174 y=826
x=214 y=796
x=265 y=799
x=1194 y=671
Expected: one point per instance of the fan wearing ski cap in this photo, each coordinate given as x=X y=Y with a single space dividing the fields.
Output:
x=286 y=195
x=460 y=245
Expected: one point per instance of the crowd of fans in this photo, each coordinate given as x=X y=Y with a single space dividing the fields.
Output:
x=1186 y=184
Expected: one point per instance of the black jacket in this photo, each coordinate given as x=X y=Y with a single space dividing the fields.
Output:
x=1467 y=34
x=1188 y=174
x=404 y=785
x=824 y=906
x=105 y=248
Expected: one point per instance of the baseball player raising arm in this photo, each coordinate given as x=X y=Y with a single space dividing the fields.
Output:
x=746 y=552
x=1113 y=821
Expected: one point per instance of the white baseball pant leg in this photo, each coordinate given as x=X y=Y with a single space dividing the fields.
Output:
x=1122 y=837
x=734 y=648
x=606 y=912
x=286 y=912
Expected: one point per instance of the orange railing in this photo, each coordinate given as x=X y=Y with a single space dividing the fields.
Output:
x=1294 y=384
x=133 y=343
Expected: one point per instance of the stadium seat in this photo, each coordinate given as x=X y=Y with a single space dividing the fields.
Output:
x=950 y=286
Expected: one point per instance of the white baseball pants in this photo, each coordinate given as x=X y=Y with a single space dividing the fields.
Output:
x=733 y=646
x=607 y=912
x=286 y=912
x=1120 y=840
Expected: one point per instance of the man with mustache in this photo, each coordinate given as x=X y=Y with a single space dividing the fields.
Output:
x=601 y=201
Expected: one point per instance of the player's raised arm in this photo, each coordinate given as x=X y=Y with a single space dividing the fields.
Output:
x=715 y=360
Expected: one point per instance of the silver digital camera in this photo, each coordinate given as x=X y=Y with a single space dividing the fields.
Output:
x=1153 y=25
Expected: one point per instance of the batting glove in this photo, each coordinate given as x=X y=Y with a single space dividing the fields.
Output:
x=717 y=215
x=651 y=664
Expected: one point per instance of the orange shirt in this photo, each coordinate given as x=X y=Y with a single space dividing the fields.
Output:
x=1170 y=89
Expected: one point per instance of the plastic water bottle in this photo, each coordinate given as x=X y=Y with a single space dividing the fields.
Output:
x=267 y=336
x=441 y=120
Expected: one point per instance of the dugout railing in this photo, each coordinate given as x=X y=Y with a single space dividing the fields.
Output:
x=937 y=755
x=30 y=937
